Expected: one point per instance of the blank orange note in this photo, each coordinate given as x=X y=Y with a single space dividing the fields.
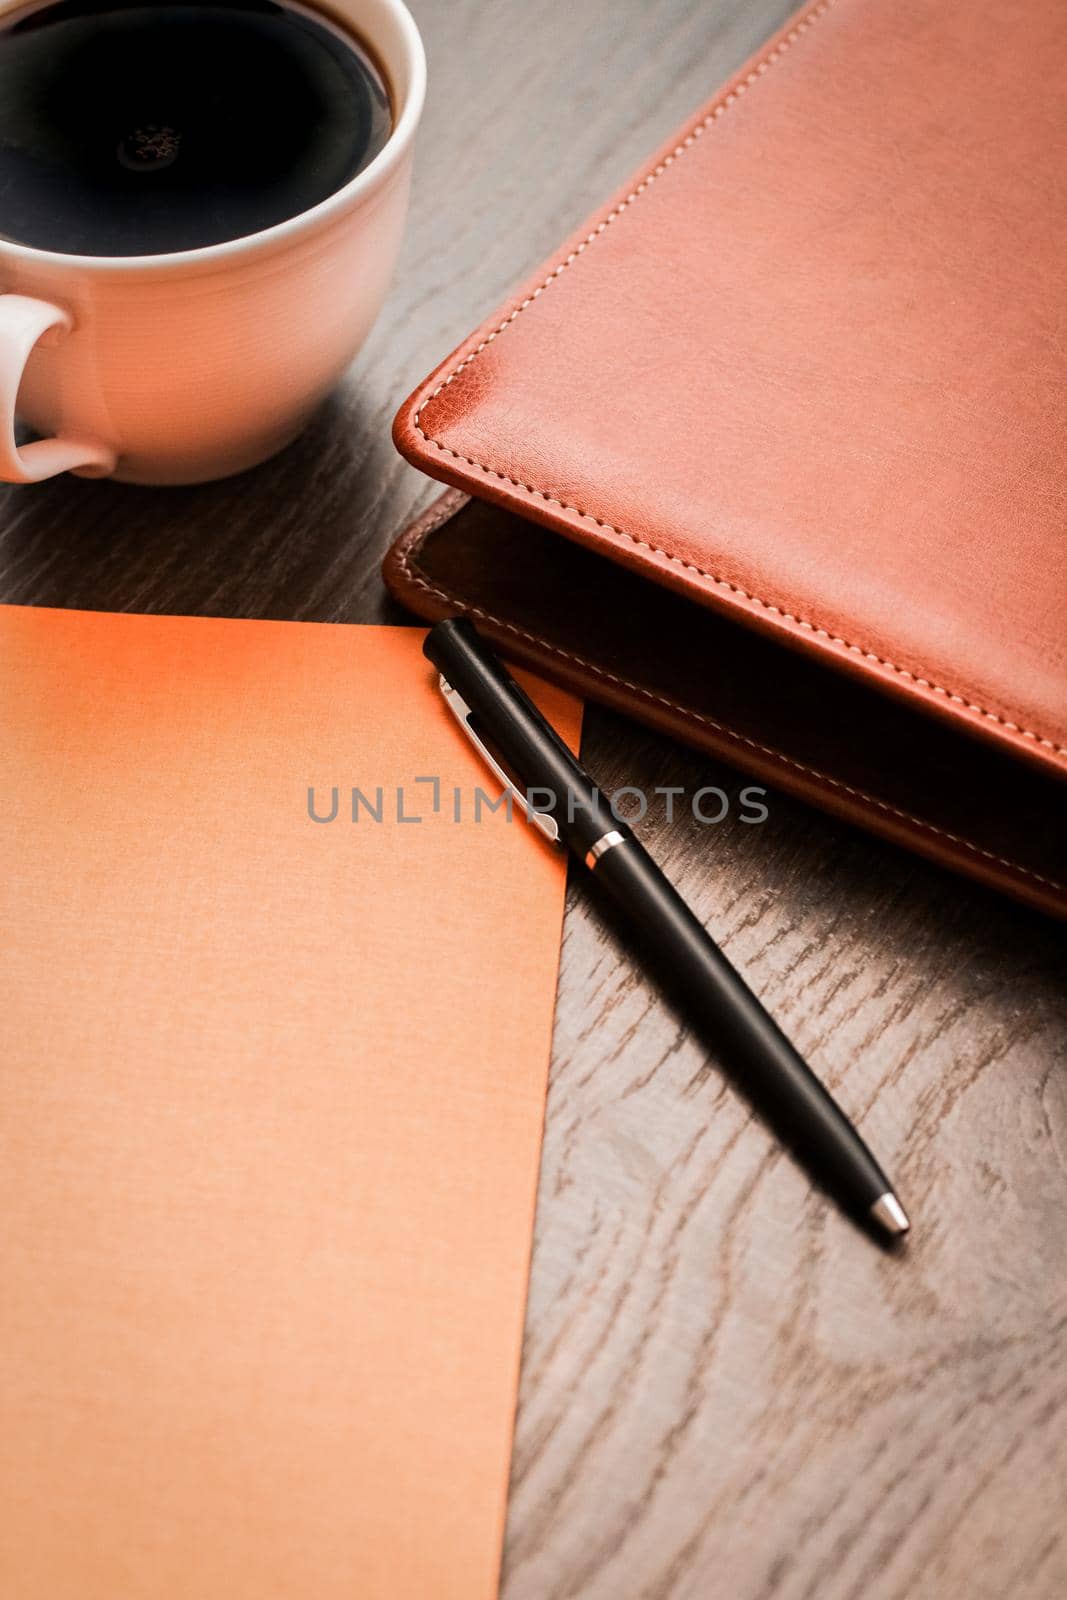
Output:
x=272 y=1094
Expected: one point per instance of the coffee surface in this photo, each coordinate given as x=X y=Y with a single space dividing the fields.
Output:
x=137 y=129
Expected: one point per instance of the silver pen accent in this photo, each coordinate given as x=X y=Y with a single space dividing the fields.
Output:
x=607 y=841
x=462 y=713
x=890 y=1215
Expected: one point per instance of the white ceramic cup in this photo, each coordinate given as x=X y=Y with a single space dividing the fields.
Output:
x=183 y=367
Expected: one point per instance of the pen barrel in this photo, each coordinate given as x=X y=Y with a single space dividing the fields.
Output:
x=504 y=717
x=733 y=1024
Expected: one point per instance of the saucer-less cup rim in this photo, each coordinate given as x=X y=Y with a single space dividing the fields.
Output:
x=268 y=240
x=27 y=321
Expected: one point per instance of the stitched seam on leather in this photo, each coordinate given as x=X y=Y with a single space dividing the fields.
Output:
x=404 y=557
x=718 y=110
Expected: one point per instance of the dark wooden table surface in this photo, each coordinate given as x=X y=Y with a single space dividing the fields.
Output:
x=727 y=1392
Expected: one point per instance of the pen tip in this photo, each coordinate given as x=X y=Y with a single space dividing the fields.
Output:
x=890 y=1215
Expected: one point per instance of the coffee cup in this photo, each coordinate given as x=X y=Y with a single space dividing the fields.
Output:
x=192 y=364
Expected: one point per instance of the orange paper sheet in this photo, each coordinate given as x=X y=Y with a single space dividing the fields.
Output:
x=271 y=1096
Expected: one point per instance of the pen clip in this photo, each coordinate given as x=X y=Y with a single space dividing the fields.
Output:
x=462 y=713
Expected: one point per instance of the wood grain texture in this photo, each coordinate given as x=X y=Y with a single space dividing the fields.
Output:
x=727 y=1392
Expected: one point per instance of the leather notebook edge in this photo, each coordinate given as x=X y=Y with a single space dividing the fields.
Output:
x=419 y=592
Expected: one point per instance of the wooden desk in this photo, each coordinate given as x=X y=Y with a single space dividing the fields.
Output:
x=727 y=1394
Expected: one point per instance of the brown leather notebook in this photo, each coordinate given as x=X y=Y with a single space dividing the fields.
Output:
x=795 y=400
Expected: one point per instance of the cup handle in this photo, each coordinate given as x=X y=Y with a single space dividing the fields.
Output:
x=23 y=321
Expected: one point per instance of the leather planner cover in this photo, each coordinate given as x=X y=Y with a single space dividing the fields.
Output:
x=795 y=401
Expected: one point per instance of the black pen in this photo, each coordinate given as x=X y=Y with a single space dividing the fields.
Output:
x=561 y=799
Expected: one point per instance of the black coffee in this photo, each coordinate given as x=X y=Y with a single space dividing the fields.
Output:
x=133 y=129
